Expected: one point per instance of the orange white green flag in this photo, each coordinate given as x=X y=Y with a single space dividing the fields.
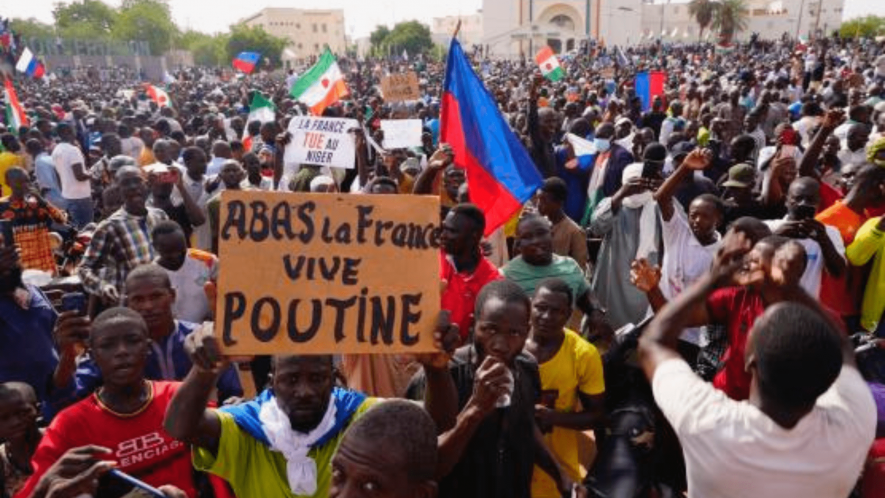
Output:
x=322 y=85
x=549 y=64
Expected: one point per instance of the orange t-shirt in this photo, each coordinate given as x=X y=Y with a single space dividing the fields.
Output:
x=842 y=294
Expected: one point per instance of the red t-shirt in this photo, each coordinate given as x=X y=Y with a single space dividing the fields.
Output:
x=459 y=296
x=140 y=446
x=737 y=308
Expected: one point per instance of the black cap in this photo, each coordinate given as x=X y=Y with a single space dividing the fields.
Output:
x=654 y=152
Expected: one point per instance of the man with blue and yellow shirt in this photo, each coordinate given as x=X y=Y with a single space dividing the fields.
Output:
x=280 y=444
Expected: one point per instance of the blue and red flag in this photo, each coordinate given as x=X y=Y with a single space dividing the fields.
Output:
x=648 y=86
x=246 y=61
x=501 y=174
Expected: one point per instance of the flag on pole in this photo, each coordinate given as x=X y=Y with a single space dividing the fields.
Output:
x=549 y=64
x=501 y=174
x=158 y=95
x=648 y=86
x=623 y=60
x=322 y=85
x=246 y=61
x=29 y=64
x=260 y=109
x=15 y=114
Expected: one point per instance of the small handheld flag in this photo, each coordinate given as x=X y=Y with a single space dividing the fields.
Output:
x=158 y=95
x=246 y=61
x=29 y=64
x=648 y=86
x=15 y=114
x=322 y=85
x=549 y=64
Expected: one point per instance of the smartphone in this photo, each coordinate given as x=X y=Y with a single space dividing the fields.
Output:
x=141 y=485
x=6 y=232
x=788 y=151
x=74 y=301
x=805 y=212
x=167 y=177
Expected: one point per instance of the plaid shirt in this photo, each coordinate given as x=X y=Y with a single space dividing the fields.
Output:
x=120 y=243
x=30 y=225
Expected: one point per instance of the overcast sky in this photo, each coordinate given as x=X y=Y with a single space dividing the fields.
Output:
x=360 y=16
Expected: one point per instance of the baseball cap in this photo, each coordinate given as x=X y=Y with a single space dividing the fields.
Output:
x=681 y=149
x=741 y=176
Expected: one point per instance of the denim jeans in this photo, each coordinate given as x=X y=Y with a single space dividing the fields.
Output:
x=80 y=211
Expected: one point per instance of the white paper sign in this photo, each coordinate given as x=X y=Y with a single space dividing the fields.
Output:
x=321 y=141
x=401 y=133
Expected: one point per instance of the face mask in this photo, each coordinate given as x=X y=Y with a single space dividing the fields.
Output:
x=602 y=144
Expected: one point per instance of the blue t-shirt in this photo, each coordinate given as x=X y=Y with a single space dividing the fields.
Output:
x=27 y=351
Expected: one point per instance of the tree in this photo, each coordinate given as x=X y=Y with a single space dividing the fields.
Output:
x=210 y=51
x=31 y=28
x=86 y=19
x=412 y=36
x=255 y=39
x=730 y=18
x=703 y=12
x=866 y=27
x=146 y=20
x=377 y=37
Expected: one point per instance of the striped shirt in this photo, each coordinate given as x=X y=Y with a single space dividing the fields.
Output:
x=120 y=243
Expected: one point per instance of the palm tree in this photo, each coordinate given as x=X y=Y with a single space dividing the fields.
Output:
x=703 y=12
x=729 y=18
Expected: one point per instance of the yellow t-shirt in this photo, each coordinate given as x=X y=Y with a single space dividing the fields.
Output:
x=8 y=160
x=577 y=366
x=253 y=470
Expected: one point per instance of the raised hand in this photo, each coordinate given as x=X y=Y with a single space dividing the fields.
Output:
x=644 y=276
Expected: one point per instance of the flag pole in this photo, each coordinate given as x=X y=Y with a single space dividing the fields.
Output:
x=457 y=29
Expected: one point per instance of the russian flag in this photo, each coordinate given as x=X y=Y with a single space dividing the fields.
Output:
x=501 y=175
x=29 y=64
x=246 y=61
x=648 y=86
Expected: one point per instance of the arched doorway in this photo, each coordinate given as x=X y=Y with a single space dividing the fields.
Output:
x=563 y=21
x=555 y=44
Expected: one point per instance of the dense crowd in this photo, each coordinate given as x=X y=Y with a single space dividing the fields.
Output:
x=676 y=309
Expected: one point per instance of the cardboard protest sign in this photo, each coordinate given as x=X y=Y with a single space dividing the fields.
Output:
x=607 y=72
x=400 y=87
x=324 y=273
x=401 y=133
x=321 y=141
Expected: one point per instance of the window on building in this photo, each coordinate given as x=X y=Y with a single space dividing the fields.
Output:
x=297 y=25
x=324 y=27
x=314 y=27
x=300 y=46
x=316 y=47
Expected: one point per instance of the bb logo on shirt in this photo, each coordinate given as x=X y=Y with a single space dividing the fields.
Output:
x=144 y=448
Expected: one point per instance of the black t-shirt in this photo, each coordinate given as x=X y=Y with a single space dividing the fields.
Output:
x=499 y=459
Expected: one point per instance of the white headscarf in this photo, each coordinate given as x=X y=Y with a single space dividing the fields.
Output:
x=301 y=470
x=648 y=218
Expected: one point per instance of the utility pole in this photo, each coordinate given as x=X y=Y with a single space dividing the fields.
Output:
x=799 y=19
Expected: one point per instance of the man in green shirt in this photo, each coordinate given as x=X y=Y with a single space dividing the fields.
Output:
x=281 y=443
x=536 y=262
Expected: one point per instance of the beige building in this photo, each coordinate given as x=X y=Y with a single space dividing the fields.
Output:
x=512 y=28
x=470 y=34
x=309 y=31
x=769 y=18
